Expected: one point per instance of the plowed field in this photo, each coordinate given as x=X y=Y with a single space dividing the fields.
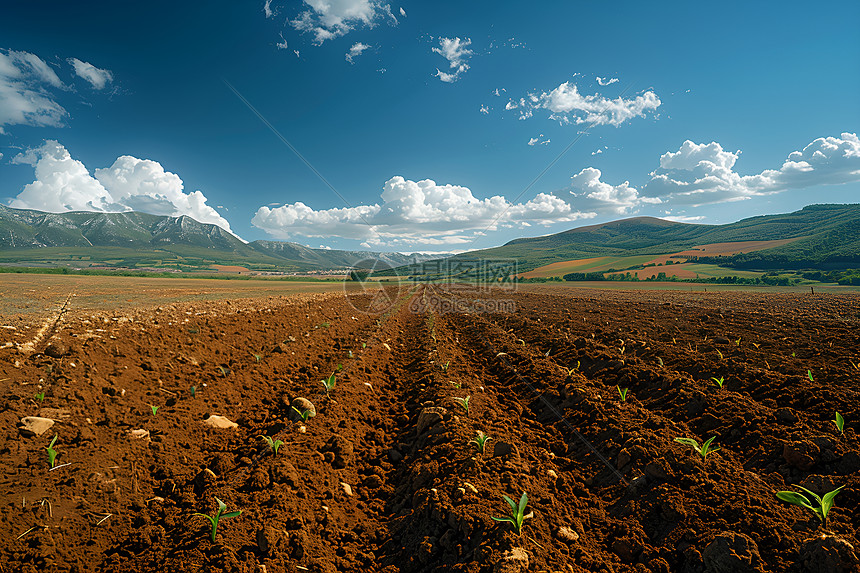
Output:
x=385 y=478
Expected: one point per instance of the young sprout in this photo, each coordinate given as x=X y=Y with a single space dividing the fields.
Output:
x=824 y=504
x=718 y=381
x=623 y=393
x=809 y=375
x=720 y=353
x=40 y=396
x=325 y=324
x=364 y=345
x=329 y=383
x=154 y=409
x=304 y=415
x=738 y=342
x=840 y=423
x=349 y=353
x=219 y=515
x=480 y=441
x=445 y=366
x=52 y=453
x=518 y=510
x=660 y=361
x=464 y=402
x=456 y=385
x=258 y=357
x=704 y=450
x=224 y=371
x=193 y=391
x=521 y=341
x=273 y=444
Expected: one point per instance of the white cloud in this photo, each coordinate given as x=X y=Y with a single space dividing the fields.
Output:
x=699 y=174
x=597 y=152
x=567 y=105
x=485 y=110
x=267 y=9
x=589 y=192
x=415 y=213
x=457 y=52
x=356 y=50
x=539 y=140
x=97 y=77
x=282 y=45
x=402 y=12
x=329 y=19
x=606 y=81
x=130 y=184
x=25 y=98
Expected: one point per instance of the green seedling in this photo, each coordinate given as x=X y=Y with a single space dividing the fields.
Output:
x=464 y=402
x=257 y=357
x=445 y=366
x=720 y=353
x=329 y=383
x=273 y=444
x=303 y=415
x=52 y=453
x=339 y=367
x=809 y=375
x=224 y=371
x=702 y=451
x=40 y=396
x=824 y=504
x=325 y=324
x=480 y=441
x=518 y=512
x=193 y=391
x=364 y=345
x=154 y=409
x=840 y=423
x=793 y=355
x=349 y=354
x=718 y=381
x=456 y=385
x=738 y=342
x=623 y=393
x=660 y=361
x=219 y=515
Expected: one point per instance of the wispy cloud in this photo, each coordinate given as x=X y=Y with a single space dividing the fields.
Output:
x=356 y=50
x=606 y=81
x=97 y=77
x=28 y=88
x=457 y=52
x=329 y=19
x=567 y=105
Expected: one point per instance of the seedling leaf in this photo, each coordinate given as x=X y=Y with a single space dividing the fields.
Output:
x=840 y=423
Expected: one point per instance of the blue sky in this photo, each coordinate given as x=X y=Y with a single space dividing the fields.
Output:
x=437 y=126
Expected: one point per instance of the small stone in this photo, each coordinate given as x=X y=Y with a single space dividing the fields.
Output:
x=472 y=488
x=514 y=561
x=220 y=422
x=386 y=346
x=302 y=429
x=302 y=405
x=140 y=434
x=501 y=449
x=347 y=489
x=552 y=474
x=56 y=349
x=35 y=426
x=373 y=481
x=341 y=450
x=567 y=534
x=429 y=417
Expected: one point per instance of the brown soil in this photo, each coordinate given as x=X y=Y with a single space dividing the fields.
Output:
x=609 y=487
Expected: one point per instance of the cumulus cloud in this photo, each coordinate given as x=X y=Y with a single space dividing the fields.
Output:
x=97 y=77
x=484 y=109
x=699 y=174
x=130 y=184
x=567 y=105
x=26 y=82
x=589 y=192
x=415 y=213
x=457 y=52
x=356 y=50
x=539 y=140
x=329 y=19
x=606 y=81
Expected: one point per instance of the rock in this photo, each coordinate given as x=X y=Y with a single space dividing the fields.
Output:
x=372 y=481
x=341 y=448
x=502 y=449
x=347 y=489
x=514 y=561
x=429 y=417
x=139 y=434
x=785 y=416
x=302 y=405
x=658 y=470
x=828 y=554
x=56 y=349
x=802 y=455
x=623 y=459
x=394 y=456
x=285 y=473
x=34 y=425
x=731 y=552
x=567 y=534
x=220 y=422
x=721 y=340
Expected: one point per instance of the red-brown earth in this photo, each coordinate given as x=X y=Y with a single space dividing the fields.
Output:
x=609 y=487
